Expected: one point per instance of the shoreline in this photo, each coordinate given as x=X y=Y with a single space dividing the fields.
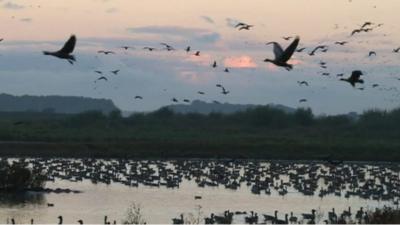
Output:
x=186 y=149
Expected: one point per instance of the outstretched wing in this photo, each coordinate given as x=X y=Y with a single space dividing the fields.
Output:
x=290 y=50
x=278 y=51
x=69 y=45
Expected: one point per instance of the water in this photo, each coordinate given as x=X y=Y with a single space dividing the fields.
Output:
x=161 y=204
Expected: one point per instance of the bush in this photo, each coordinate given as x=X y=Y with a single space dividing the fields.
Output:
x=134 y=215
x=18 y=177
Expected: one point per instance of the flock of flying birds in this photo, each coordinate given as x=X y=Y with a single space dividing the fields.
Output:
x=281 y=59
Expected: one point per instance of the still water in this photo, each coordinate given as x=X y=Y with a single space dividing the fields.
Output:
x=161 y=204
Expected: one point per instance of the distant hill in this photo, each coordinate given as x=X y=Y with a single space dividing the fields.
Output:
x=57 y=104
x=202 y=107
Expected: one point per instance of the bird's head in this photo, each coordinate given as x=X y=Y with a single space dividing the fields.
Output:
x=356 y=73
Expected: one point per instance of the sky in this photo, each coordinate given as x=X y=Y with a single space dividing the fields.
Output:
x=29 y=27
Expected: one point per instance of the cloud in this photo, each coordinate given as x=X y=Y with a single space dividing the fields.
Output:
x=27 y=20
x=240 y=62
x=197 y=34
x=112 y=10
x=207 y=19
x=10 y=5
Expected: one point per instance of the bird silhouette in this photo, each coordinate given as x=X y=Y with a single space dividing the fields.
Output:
x=302 y=83
x=186 y=100
x=168 y=47
x=300 y=49
x=354 y=78
x=66 y=51
x=200 y=92
x=138 y=97
x=1 y=39
x=243 y=26
x=214 y=65
x=226 y=70
x=224 y=91
x=60 y=220
x=197 y=53
x=102 y=78
x=80 y=221
x=341 y=42
x=149 y=48
x=105 y=52
x=175 y=100
x=287 y=38
x=187 y=49
x=115 y=72
x=367 y=24
x=396 y=50
x=98 y=71
x=322 y=47
x=371 y=53
x=126 y=47
x=282 y=57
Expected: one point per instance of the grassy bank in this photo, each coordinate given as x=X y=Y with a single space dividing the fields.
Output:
x=257 y=133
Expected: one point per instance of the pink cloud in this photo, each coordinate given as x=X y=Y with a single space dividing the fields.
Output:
x=240 y=62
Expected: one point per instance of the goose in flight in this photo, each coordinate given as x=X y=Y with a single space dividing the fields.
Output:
x=354 y=78
x=367 y=24
x=115 y=72
x=243 y=26
x=322 y=47
x=246 y=27
x=200 y=92
x=168 y=47
x=186 y=100
x=105 y=52
x=300 y=49
x=98 y=71
x=138 y=97
x=149 y=48
x=102 y=78
x=65 y=52
x=214 y=65
x=340 y=43
x=303 y=100
x=126 y=47
x=174 y=100
x=372 y=53
x=226 y=70
x=224 y=91
x=287 y=38
x=1 y=39
x=187 y=49
x=302 y=83
x=396 y=50
x=197 y=53
x=282 y=57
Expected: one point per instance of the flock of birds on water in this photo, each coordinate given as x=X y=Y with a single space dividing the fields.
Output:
x=279 y=178
x=281 y=59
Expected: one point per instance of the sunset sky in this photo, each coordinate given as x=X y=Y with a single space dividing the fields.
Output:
x=29 y=27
